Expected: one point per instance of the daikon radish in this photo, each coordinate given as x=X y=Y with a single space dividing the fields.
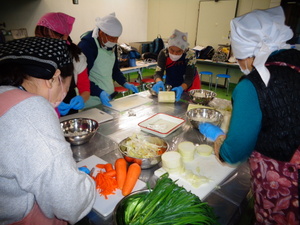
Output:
x=195 y=180
x=204 y=150
x=166 y=96
x=186 y=150
x=172 y=162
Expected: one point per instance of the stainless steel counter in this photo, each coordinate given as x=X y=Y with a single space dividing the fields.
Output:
x=228 y=199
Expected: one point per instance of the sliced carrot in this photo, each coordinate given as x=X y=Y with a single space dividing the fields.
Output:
x=121 y=170
x=133 y=173
x=105 y=184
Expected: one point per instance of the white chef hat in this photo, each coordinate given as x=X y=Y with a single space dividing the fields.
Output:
x=178 y=39
x=259 y=33
x=108 y=24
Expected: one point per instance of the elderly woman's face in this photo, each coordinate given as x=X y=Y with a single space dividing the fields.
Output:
x=175 y=50
x=60 y=87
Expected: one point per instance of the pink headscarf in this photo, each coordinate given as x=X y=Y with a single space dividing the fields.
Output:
x=58 y=22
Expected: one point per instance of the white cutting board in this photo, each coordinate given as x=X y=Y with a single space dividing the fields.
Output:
x=106 y=206
x=93 y=113
x=207 y=166
x=129 y=102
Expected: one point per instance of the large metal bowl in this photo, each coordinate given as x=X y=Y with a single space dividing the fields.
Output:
x=201 y=96
x=118 y=213
x=145 y=163
x=149 y=86
x=204 y=115
x=80 y=130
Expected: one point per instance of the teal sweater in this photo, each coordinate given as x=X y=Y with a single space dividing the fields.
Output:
x=244 y=126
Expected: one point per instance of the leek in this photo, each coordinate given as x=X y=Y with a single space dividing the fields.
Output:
x=168 y=203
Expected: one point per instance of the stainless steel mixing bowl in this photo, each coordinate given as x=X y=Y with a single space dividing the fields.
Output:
x=201 y=96
x=204 y=115
x=145 y=163
x=80 y=130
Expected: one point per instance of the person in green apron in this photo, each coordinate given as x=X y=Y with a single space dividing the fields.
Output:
x=99 y=46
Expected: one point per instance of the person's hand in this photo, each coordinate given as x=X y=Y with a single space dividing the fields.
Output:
x=64 y=108
x=159 y=85
x=77 y=102
x=84 y=169
x=179 y=91
x=131 y=87
x=104 y=97
x=210 y=131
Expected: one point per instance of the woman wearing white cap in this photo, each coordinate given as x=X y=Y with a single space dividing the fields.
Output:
x=99 y=46
x=39 y=180
x=179 y=64
x=265 y=122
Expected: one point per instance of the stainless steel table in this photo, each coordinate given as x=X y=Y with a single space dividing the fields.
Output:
x=228 y=199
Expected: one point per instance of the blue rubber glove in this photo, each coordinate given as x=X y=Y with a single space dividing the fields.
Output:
x=64 y=108
x=77 y=102
x=159 y=86
x=210 y=131
x=131 y=87
x=84 y=169
x=104 y=97
x=179 y=91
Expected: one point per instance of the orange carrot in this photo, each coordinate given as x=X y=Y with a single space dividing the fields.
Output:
x=133 y=174
x=108 y=167
x=138 y=161
x=111 y=173
x=100 y=166
x=121 y=169
x=129 y=159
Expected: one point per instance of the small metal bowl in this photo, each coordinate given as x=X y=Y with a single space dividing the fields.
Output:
x=119 y=210
x=80 y=130
x=204 y=115
x=145 y=163
x=201 y=96
x=149 y=86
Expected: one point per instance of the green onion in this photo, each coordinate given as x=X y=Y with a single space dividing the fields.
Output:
x=168 y=203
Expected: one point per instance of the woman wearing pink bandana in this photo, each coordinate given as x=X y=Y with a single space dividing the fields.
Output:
x=59 y=26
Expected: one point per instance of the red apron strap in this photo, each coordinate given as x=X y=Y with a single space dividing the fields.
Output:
x=196 y=82
x=10 y=98
x=37 y=217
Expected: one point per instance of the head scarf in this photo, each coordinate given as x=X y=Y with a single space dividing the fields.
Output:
x=178 y=39
x=58 y=22
x=108 y=24
x=40 y=57
x=259 y=33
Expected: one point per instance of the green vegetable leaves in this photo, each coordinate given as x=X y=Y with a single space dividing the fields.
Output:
x=168 y=203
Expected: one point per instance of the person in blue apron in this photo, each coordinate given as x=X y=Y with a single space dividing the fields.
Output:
x=178 y=62
x=100 y=48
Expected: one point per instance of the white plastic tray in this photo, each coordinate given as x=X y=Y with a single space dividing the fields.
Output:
x=161 y=124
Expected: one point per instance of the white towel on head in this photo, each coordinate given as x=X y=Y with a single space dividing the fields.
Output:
x=108 y=24
x=259 y=33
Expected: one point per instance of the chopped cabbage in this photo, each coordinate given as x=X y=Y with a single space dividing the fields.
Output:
x=140 y=146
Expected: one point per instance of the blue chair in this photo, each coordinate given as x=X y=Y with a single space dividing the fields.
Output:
x=227 y=81
x=208 y=73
